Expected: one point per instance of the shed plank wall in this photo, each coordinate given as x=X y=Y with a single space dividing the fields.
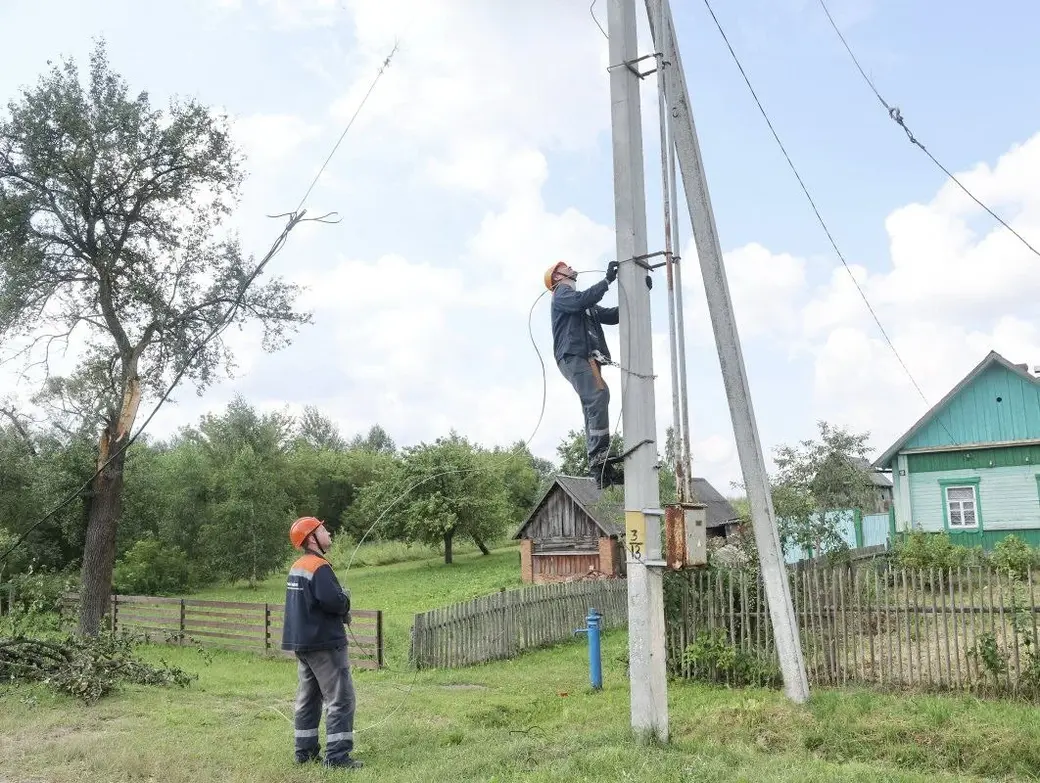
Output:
x=548 y=567
x=561 y=517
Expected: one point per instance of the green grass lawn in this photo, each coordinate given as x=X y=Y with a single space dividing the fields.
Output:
x=530 y=719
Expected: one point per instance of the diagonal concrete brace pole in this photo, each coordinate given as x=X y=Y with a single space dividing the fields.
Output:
x=645 y=565
x=731 y=360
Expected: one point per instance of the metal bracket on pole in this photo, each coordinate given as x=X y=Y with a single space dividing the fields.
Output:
x=631 y=65
x=641 y=260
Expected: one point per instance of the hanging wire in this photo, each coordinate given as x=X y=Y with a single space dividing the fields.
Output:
x=897 y=117
x=812 y=204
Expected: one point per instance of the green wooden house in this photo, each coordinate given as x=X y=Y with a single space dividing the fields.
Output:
x=971 y=465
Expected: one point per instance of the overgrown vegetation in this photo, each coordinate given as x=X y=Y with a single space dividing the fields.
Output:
x=713 y=658
x=923 y=551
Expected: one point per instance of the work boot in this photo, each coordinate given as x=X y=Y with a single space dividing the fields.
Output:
x=344 y=763
x=606 y=474
x=308 y=758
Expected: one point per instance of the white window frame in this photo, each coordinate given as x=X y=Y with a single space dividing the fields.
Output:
x=960 y=506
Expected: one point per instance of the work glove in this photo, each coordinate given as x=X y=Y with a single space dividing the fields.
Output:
x=346 y=617
x=612 y=269
x=649 y=282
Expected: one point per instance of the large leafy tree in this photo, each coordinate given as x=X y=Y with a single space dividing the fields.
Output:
x=437 y=492
x=318 y=431
x=112 y=230
x=248 y=491
x=817 y=476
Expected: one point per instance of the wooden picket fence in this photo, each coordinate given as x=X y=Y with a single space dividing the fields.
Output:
x=248 y=627
x=973 y=629
x=504 y=624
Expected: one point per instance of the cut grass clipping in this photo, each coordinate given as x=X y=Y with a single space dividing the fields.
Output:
x=87 y=669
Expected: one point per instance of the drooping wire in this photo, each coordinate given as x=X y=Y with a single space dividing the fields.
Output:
x=592 y=13
x=812 y=203
x=897 y=117
x=294 y=218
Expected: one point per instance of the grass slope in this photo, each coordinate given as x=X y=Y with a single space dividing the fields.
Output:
x=401 y=589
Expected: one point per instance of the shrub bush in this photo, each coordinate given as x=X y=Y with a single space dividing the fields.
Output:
x=152 y=567
x=1015 y=555
x=38 y=592
x=921 y=550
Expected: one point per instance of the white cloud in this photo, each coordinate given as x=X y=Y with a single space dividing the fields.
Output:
x=958 y=286
x=289 y=13
x=477 y=87
x=271 y=138
x=767 y=289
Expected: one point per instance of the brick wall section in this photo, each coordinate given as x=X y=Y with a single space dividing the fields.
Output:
x=526 y=562
x=608 y=556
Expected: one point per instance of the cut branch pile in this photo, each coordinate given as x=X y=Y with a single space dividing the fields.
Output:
x=85 y=668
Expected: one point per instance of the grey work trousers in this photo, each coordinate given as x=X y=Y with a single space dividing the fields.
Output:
x=595 y=403
x=324 y=677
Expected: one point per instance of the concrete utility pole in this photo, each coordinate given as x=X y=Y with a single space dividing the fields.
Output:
x=727 y=341
x=643 y=516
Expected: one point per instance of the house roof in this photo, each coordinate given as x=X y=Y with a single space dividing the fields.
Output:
x=992 y=358
x=720 y=511
x=608 y=516
x=586 y=494
x=876 y=478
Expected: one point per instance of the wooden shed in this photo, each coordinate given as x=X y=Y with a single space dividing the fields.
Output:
x=570 y=535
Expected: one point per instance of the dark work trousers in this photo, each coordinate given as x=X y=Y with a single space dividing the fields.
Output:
x=324 y=676
x=594 y=403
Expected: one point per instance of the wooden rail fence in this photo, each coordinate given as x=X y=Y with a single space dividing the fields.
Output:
x=504 y=624
x=972 y=629
x=232 y=625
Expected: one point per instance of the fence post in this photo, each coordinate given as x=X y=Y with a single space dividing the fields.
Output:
x=114 y=610
x=379 y=638
x=417 y=641
x=183 y=624
x=267 y=626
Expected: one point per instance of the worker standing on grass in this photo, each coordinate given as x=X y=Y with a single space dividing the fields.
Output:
x=316 y=608
x=580 y=349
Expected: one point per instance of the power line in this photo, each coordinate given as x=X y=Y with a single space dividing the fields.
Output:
x=812 y=203
x=293 y=219
x=357 y=111
x=897 y=117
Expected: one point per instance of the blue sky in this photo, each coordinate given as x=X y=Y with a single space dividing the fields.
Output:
x=484 y=155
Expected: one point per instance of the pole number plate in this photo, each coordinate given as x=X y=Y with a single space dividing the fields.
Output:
x=635 y=534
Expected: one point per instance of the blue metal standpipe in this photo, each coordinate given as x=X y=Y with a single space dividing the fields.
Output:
x=595 y=658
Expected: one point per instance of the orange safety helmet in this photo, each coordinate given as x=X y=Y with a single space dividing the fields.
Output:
x=302 y=528
x=552 y=271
